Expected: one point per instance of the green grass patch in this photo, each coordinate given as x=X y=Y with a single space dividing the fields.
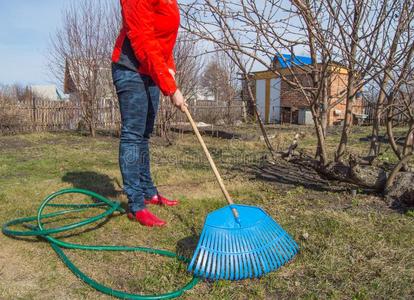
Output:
x=351 y=247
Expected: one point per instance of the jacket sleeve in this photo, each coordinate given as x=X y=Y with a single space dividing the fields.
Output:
x=171 y=63
x=138 y=18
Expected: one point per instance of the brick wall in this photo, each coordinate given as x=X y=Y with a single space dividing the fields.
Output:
x=291 y=96
x=337 y=91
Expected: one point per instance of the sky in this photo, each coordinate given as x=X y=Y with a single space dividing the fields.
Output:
x=26 y=27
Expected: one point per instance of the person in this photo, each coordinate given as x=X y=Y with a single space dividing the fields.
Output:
x=142 y=66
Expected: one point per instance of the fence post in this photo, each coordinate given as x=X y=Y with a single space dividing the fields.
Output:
x=34 y=121
x=113 y=114
x=244 y=111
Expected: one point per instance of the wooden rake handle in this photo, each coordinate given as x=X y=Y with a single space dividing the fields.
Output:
x=211 y=161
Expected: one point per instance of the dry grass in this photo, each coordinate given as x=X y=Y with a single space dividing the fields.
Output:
x=351 y=247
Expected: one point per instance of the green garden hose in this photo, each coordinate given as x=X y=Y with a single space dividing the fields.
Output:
x=59 y=245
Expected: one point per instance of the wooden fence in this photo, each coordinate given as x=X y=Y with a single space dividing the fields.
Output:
x=37 y=115
x=34 y=115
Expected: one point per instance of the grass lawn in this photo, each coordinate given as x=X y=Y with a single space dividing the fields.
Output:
x=351 y=247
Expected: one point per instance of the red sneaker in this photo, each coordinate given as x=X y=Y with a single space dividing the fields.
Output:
x=160 y=200
x=146 y=218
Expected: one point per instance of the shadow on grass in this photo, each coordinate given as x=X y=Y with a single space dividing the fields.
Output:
x=211 y=132
x=186 y=246
x=294 y=174
x=88 y=180
x=384 y=139
x=101 y=184
x=99 y=133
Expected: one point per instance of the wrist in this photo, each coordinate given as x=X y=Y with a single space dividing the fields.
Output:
x=172 y=93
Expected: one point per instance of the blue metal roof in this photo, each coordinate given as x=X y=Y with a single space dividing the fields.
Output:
x=287 y=60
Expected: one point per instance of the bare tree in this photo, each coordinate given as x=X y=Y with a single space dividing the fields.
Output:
x=254 y=34
x=400 y=109
x=216 y=79
x=348 y=34
x=400 y=48
x=219 y=79
x=189 y=63
x=80 y=54
x=368 y=39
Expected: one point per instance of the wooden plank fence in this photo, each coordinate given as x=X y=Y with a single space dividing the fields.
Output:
x=35 y=115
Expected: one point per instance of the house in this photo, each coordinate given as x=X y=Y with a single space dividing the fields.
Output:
x=47 y=92
x=82 y=77
x=279 y=102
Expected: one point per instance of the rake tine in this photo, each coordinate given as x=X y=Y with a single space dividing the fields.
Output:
x=210 y=255
x=280 y=242
x=282 y=251
x=217 y=258
x=196 y=252
x=291 y=247
x=293 y=244
x=286 y=248
x=237 y=264
x=196 y=260
x=256 y=263
x=232 y=264
x=268 y=249
x=248 y=269
x=276 y=250
x=234 y=258
x=239 y=256
x=228 y=263
x=277 y=246
x=210 y=259
x=215 y=253
x=265 y=251
x=263 y=254
x=243 y=257
x=205 y=255
x=220 y=273
x=272 y=248
x=287 y=240
x=258 y=257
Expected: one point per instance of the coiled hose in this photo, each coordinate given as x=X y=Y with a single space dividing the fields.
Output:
x=59 y=245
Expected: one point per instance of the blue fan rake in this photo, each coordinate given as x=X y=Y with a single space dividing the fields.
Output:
x=238 y=241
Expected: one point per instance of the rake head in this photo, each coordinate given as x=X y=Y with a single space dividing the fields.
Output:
x=233 y=251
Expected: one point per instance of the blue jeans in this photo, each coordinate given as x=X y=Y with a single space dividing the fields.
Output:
x=138 y=101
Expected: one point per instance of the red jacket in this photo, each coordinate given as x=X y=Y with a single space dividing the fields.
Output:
x=147 y=40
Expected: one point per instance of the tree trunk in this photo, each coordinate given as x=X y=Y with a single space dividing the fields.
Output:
x=390 y=133
x=320 y=134
x=92 y=130
x=259 y=119
x=374 y=147
x=347 y=120
x=409 y=139
x=325 y=106
x=397 y=168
